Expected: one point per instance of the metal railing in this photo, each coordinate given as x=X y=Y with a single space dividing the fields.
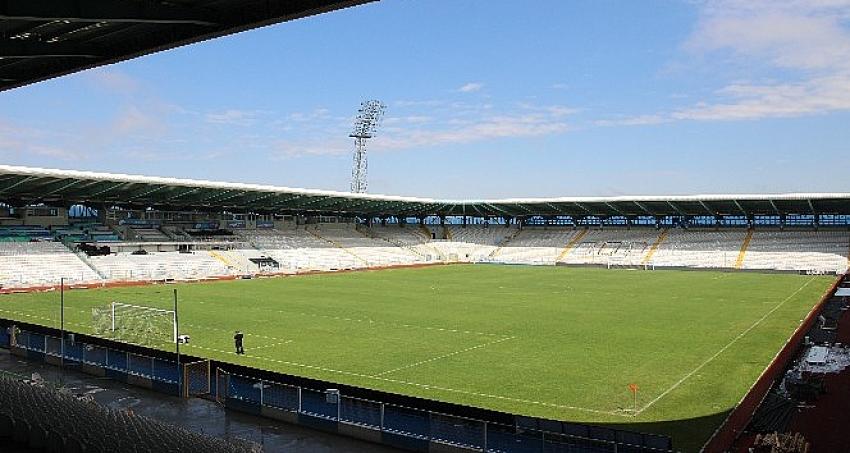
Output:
x=154 y=368
x=412 y=425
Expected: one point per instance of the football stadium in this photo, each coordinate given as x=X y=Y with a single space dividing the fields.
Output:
x=621 y=323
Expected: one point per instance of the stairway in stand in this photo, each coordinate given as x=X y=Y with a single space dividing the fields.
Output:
x=743 y=253
x=571 y=245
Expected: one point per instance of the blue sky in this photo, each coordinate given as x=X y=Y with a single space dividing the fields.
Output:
x=486 y=99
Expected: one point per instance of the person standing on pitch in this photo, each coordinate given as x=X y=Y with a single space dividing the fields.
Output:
x=237 y=340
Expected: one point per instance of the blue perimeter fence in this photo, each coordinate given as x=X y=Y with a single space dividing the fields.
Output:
x=417 y=429
x=400 y=426
x=164 y=374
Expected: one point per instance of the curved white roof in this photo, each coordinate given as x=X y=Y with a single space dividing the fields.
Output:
x=29 y=184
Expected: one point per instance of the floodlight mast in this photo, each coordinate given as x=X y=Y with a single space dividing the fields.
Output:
x=365 y=125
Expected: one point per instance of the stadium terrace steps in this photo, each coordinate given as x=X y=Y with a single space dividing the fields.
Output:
x=473 y=243
x=393 y=240
x=699 y=248
x=337 y=245
x=655 y=246
x=611 y=247
x=226 y=261
x=570 y=245
x=744 y=246
x=160 y=266
x=329 y=247
x=536 y=245
x=848 y=254
x=504 y=243
x=85 y=259
x=821 y=250
x=425 y=232
x=25 y=264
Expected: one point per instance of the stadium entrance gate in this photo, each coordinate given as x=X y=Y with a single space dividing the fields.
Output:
x=196 y=378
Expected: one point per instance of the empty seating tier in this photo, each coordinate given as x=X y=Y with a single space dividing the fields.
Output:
x=328 y=247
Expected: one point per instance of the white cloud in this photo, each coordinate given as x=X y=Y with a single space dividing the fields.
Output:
x=471 y=87
x=317 y=147
x=134 y=119
x=804 y=45
x=314 y=115
x=490 y=128
x=410 y=119
x=423 y=124
x=25 y=141
x=114 y=80
x=808 y=40
x=232 y=117
x=641 y=120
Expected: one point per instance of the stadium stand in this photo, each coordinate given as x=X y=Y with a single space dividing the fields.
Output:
x=700 y=248
x=299 y=250
x=602 y=247
x=824 y=251
x=417 y=240
x=269 y=229
x=339 y=246
x=535 y=246
x=49 y=420
x=41 y=263
x=148 y=235
x=371 y=252
x=161 y=266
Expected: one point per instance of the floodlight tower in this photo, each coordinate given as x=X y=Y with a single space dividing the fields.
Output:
x=365 y=126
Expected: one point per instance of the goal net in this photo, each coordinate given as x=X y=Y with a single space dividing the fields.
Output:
x=135 y=324
x=625 y=263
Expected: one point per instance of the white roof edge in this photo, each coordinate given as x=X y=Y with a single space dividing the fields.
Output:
x=118 y=177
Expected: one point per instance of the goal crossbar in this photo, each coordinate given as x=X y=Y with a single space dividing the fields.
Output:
x=157 y=311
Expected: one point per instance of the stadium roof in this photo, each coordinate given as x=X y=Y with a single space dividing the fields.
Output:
x=42 y=39
x=26 y=185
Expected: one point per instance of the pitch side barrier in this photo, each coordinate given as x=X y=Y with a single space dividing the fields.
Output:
x=737 y=420
x=410 y=423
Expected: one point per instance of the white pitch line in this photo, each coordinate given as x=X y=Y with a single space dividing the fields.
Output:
x=272 y=345
x=723 y=349
x=397 y=381
x=444 y=356
x=424 y=386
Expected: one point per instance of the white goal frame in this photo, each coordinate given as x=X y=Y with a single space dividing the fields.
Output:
x=158 y=311
x=623 y=262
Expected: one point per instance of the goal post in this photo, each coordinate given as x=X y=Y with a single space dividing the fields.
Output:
x=136 y=323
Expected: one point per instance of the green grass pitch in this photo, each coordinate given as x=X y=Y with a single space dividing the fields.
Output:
x=552 y=342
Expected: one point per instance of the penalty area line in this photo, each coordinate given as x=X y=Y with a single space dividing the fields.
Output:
x=723 y=349
x=445 y=356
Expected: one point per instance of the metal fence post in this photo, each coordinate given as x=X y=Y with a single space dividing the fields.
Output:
x=339 y=407
x=262 y=388
x=382 y=416
x=299 y=399
x=485 y=437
